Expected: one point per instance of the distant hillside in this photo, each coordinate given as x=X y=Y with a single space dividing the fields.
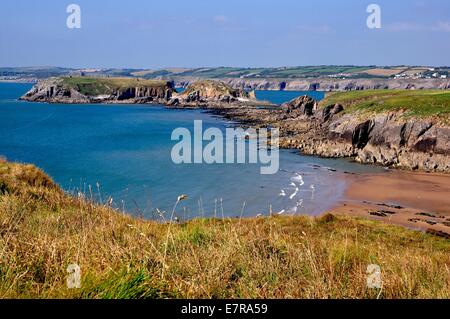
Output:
x=299 y=72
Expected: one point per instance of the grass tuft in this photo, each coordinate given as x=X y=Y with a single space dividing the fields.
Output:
x=43 y=230
x=414 y=103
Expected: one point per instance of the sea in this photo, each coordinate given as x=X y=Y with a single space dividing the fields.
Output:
x=121 y=154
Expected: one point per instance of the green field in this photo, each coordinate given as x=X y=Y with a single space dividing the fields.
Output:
x=43 y=230
x=91 y=86
x=417 y=103
x=291 y=72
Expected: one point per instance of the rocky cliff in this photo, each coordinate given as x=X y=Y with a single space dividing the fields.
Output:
x=211 y=94
x=328 y=84
x=205 y=93
x=100 y=90
x=389 y=138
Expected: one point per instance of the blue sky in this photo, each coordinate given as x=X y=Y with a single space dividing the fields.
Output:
x=195 y=33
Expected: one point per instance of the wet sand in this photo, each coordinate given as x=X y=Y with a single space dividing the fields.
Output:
x=411 y=199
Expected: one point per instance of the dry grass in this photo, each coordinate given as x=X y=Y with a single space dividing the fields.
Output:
x=413 y=71
x=384 y=72
x=42 y=231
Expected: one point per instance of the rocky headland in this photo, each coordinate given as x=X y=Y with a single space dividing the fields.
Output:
x=391 y=138
x=213 y=94
x=81 y=90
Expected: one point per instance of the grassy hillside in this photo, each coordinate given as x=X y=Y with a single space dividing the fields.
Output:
x=33 y=72
x=92 y=86
x=283 y=72
x=42 y=231
x=418 y=103
x=294 y=72
x=297 y=72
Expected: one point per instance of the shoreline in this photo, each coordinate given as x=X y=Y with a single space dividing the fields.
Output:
x=304 y=123
x=415 y=200
x=121 y=256
x=412 y=199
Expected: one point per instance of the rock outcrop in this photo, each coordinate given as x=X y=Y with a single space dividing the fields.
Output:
x=52 y=90
x=100 y=90
x=328 y=84
x=211 y=94
x=80 y=90
x=387 y=139
x=303 y=105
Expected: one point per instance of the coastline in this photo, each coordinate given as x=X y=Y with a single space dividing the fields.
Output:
x=390 y=197
x=415 y=200
x=340 y=126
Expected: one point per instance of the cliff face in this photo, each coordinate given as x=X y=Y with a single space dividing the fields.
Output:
x=330 y=84
x=213 y=94
x=101 y=90
x=146 y=93
x=387 y=138
x=52 y=90
x=205 y=93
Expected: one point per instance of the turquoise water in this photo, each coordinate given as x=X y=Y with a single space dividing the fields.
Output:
x=126 y=150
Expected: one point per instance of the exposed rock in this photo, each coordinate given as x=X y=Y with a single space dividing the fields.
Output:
x=360 y=136
x=48 y=90
x=328 y=84
x=387 y=139
x=303 y=105
x=365 y=84
x=66 y=90
x=329 y=111
x=213 y=94
x=173 y=102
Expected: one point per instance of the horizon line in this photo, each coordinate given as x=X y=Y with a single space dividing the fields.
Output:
x=222 y=66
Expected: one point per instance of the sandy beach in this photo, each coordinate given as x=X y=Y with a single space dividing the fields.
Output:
x=411 y=199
